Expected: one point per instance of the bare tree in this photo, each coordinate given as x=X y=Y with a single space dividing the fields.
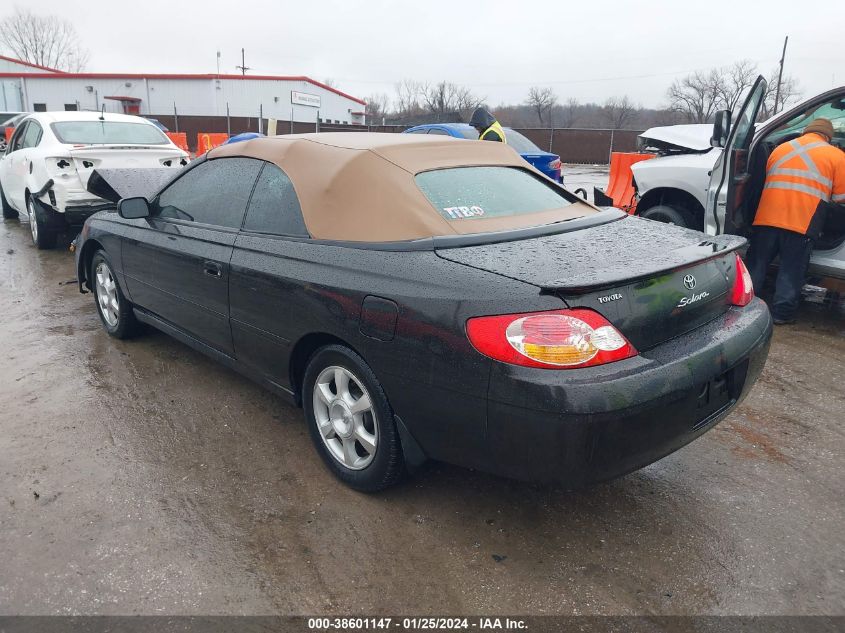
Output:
x=569 y=112
x=697 y=96
x=542 y=100
x=734 y=81
x=619 y=112
x=789 y=93
x=331 y=83
x=44 y=40
x=408 y=99
x=377 y=107
x=445 y=98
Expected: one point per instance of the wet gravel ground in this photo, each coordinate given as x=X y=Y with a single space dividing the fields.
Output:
x=586 y=177
x=141 y=477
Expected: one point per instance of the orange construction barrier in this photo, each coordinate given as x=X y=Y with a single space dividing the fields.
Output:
x=180 y=139
x=209 y=140
x=620 y=186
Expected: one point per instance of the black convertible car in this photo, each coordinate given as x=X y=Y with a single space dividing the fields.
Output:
x=424 y=298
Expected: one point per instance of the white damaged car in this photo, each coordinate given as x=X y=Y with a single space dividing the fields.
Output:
x=45 y=168
x=710 y=177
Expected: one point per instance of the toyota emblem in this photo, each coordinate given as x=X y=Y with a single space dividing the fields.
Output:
x=689 y=281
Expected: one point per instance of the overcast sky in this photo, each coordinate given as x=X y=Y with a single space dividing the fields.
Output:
x=590 y=50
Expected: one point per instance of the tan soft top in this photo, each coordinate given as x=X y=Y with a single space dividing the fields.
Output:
x=359 y=186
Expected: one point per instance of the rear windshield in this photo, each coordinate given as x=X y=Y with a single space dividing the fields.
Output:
x=107 y=132
x=5 y=117
x=520 y=143
x=467 y=193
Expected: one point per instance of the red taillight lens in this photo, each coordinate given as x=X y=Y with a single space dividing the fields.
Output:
x=555 y=164
x=743 y=290
x=559 y=339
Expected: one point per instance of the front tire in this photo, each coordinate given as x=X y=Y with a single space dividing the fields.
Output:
x=667 y=214
x=115 y=311
x=42 y=237
x=350 y=420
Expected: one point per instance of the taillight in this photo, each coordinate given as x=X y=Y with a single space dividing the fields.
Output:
x=743 y=290
x=559 y=339
x=555 y=164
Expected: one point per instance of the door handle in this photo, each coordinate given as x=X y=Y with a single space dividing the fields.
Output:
x=212 y=268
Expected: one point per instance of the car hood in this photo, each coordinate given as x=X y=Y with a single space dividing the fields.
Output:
x=693 y=137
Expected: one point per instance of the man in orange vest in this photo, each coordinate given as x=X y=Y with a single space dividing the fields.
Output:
x=805 y=179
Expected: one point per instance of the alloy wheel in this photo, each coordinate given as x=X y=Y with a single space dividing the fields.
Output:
x=106 y=290
x=345 y=417
x=33 y=223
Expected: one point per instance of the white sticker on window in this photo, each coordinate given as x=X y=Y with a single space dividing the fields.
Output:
x=462 y=213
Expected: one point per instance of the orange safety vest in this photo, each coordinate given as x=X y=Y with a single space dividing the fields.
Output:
x=800 y=174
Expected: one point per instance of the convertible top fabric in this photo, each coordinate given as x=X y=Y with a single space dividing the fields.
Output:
x=358 y=186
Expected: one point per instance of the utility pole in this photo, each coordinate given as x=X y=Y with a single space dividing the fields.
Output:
x=243 y=65
x=780 y=75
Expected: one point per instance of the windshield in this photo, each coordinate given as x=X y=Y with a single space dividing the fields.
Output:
x=107 y=132
x=833 y=111
x=469 y=193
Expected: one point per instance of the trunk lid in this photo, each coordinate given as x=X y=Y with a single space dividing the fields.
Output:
x=653 y=281
x=88 y=158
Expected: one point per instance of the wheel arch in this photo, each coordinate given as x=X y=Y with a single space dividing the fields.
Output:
x=302 y=351
x=90 y=247
x=673 y=197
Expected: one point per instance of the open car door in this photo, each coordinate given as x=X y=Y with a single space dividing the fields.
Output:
x=730 y=175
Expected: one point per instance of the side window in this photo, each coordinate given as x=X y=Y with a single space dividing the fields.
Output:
x=214 y=192
x=437 y=130
x=32 y=136
x=274 y=207
x=422 y=131
x=743 y=130
x=18 y=137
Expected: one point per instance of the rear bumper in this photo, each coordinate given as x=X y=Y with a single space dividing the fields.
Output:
x=589 y=425
x=73 y=215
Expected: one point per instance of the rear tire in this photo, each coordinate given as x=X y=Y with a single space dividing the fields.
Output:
x=667 y=214
x=114 y=309
x=350 y=420
x=8 y=212
x=43 y=237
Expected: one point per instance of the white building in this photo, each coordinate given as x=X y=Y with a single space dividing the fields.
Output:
x=27 y=87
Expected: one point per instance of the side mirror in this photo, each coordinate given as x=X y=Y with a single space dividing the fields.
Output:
x=721 y=128
x=133 y=208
